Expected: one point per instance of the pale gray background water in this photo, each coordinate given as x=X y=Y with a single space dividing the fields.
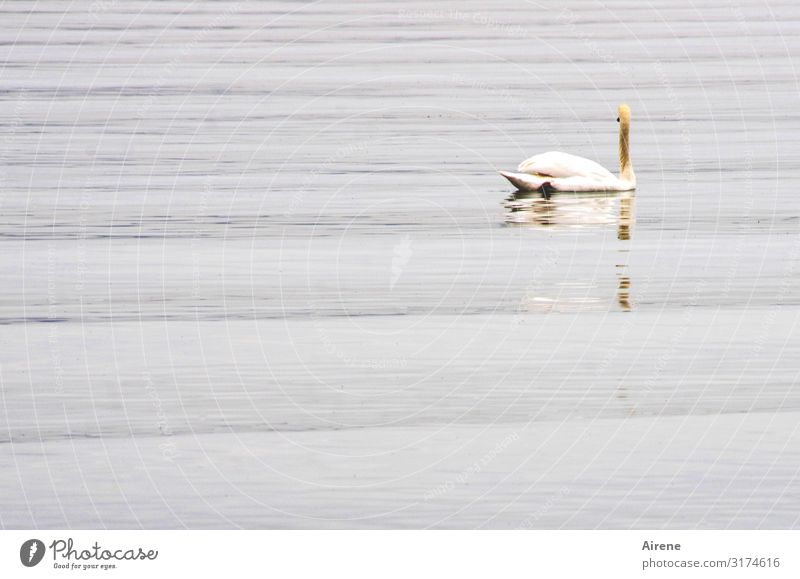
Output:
x=259 y=271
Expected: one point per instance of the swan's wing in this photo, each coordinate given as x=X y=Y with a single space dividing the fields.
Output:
x=525 y=182
x=562 y=165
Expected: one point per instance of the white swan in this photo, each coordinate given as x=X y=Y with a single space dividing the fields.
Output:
x=564 y=172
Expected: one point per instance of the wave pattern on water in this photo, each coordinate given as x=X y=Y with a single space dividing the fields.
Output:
x=269 y=242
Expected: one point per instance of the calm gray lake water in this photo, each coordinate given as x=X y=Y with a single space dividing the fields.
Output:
x=259 y=270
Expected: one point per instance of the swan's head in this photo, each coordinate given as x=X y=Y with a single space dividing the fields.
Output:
x=624 y=114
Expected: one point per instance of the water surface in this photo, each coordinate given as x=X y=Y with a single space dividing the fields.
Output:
x=259 y=270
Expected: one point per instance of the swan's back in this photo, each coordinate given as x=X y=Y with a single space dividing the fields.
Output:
x=562 y=165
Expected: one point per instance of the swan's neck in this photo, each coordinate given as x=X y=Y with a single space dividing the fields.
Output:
x=625 y=166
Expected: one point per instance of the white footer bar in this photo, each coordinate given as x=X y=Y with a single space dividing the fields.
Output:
x=401 y=554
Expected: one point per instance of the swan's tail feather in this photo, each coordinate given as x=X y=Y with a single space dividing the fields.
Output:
x=525 y=182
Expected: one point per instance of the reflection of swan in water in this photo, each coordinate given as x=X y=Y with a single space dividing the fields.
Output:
x=624 y=293
x=556 y=171
x=572 y=211
x=566 y=211
x=626 y=217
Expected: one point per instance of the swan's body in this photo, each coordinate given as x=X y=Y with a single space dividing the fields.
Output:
x=564 y=172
